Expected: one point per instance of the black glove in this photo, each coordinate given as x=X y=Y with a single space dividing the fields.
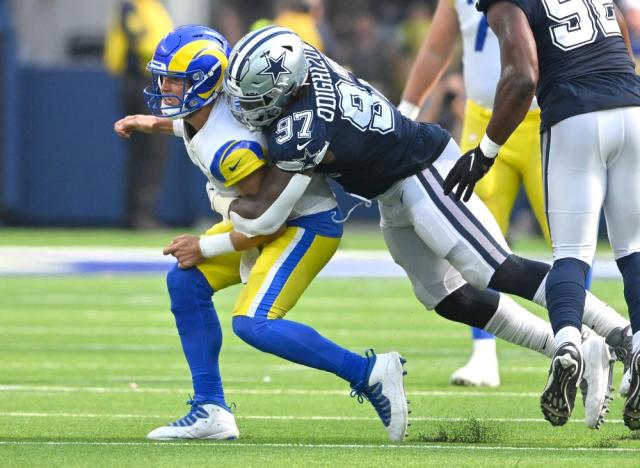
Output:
x=467 y=171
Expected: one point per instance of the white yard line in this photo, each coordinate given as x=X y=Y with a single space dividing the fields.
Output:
x=23 y=414
x=219 y=445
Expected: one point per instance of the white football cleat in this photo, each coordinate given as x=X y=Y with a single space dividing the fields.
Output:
x=482 y=368
x=596 y=384
x=558 y=397
x=204 y=421
x=625 y=383
x=631 y=412
x=384 y=388
x=620 y=339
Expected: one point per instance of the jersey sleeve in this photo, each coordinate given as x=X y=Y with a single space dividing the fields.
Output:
x=178 y=127
x=297 y=142
x=525 y=5
x=237 y=159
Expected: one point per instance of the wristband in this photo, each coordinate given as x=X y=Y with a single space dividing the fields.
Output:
x=408 y=109
x=488 y=147
x=217 y=244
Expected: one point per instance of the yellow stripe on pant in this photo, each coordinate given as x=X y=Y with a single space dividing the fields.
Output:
x=284 y=269
x=519 y=162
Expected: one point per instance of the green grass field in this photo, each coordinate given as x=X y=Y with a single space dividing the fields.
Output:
x=89 y=365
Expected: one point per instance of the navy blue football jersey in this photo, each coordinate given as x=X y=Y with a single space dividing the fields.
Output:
x=583 y=61
x=373 y=145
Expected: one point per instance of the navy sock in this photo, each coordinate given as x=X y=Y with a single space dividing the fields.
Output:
x=629 y=266
x=566 y=293
x=588 y=279
x=200 y=332
x=301 y=344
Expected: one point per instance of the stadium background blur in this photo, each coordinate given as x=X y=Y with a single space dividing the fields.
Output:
x=61 y=163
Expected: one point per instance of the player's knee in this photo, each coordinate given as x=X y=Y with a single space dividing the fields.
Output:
x=249 y=329
x=519 y=276
x=469 y=305
x=185 y=287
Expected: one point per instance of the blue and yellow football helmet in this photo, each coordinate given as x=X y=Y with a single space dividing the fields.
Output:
x=196 y=54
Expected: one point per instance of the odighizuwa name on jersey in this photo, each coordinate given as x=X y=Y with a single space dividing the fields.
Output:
x=341 y=113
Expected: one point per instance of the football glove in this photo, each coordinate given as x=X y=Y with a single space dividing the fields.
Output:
x=466 y=172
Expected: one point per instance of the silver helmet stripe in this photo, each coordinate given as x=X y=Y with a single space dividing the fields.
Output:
x=245 y=50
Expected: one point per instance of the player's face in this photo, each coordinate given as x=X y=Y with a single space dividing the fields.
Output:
x=172 y=85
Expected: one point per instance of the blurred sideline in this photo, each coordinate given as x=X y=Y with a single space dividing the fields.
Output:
x=140 y=260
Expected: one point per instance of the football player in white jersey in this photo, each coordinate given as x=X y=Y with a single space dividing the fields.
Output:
x=187 y=70
x=520 y=157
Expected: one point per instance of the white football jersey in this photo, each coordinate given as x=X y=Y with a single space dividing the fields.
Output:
x=480 y=54
x=227 y=152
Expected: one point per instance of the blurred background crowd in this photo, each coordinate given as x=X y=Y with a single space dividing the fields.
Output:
x=70 y=68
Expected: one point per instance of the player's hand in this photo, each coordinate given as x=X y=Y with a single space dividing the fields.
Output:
x=186 y=249
x=134 y=123
x=467 y=171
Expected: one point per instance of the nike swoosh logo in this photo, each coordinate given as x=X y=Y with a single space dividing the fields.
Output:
x=301 y=147
x=233 y=168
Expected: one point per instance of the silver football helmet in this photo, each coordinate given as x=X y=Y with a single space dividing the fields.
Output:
x=265 y=68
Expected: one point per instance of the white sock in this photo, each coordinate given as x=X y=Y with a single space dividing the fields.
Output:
x=540 y=297
x=601 y=317
x=636 y=341
x=484 y=348
x=515 y=324
x=568 y=334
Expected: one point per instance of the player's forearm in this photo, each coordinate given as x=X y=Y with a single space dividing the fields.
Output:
x=519 y=70
x=250 y=217
x=241 y=242
x=514 y=94
x=161 y=125
x=625 y=32
x=434 y=55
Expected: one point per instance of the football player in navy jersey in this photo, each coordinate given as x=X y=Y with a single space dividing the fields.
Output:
x=318 y=117
x=575 y=56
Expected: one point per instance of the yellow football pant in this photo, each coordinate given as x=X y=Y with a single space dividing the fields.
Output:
x=519 y=162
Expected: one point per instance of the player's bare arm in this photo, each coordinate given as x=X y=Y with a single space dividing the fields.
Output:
x=263 y=212
x=514 y=93
x=519 y=70
x=625 y=32
x=187 y=251
x=190 y=250
x=432 y=60
x=143 y=124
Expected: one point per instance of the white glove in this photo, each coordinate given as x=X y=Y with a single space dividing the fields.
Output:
x=408 y=109
x=219 y=203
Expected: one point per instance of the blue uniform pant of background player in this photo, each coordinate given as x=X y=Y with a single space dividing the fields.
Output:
x=565 y=291
x=480 y=334
x=301 y=344
x=629 y=266
x=199 y=330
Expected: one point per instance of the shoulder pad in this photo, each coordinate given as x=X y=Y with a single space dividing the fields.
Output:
x=236 y=159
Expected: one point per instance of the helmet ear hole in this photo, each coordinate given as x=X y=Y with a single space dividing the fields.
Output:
x=265 y=69
x=198 y=56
